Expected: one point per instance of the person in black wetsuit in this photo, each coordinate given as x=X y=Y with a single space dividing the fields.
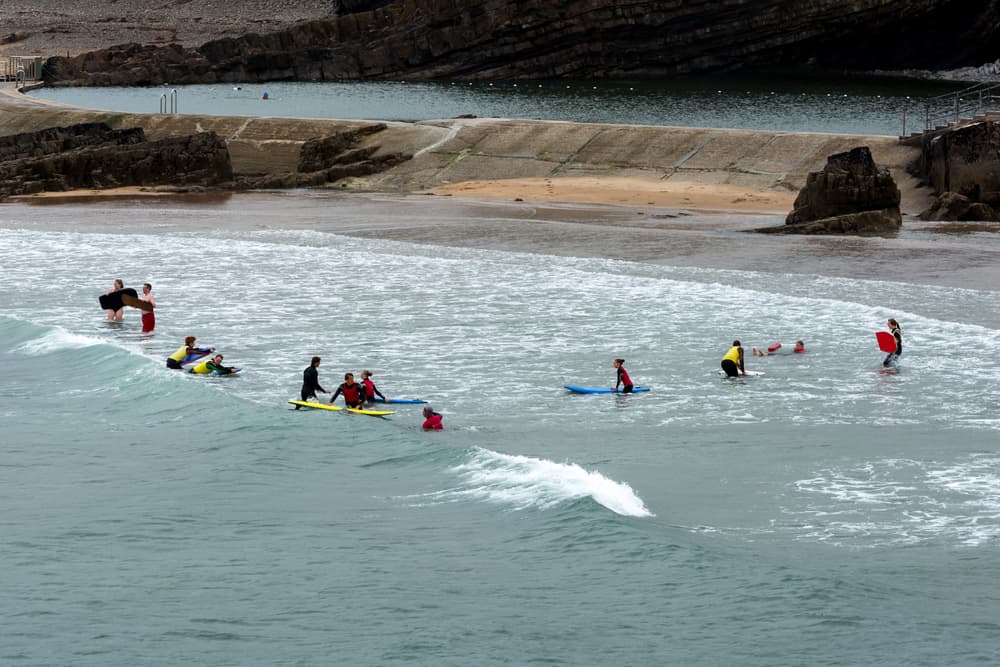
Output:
x=354 y=392
x=310 y=382
x=892 y=357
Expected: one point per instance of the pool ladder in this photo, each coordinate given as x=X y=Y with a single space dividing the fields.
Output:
x=169 y=104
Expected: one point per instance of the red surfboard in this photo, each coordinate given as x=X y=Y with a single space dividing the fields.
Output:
x=886 y=341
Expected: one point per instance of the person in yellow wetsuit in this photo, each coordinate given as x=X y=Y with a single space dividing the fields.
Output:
x=175 y=359
x=732 y=362
x=213 y=365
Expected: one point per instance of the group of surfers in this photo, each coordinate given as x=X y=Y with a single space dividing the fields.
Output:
x=732 y=361
x=356 y=394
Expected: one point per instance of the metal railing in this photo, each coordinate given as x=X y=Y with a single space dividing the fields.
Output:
x=169 y=104
x=21 y=68
x=953 y=108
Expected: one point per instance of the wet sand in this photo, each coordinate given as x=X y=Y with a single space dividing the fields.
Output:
x=922 y=252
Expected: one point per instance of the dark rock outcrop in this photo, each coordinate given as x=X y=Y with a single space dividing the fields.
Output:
x=199 y=160
x=330 y=159
x=852 y=195
x=951 y=206
x=60 y=139
x=480 y=39
x=962 y=165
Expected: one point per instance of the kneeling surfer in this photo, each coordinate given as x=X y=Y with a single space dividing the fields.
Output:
x=732 y=362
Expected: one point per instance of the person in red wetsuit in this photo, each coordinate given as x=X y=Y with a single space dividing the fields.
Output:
x=371 y=391
x=624 y=381
x=354 y=393
x=432 y=420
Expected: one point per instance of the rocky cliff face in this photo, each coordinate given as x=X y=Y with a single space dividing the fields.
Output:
x=476 y=39
x=962 y=165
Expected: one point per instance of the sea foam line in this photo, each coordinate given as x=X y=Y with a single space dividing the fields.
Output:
x=55 y=340
x=525 y=481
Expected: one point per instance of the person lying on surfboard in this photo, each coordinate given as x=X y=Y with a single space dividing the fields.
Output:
x=624 y=381
x=799 y=348
x=732 y=362
x=371 y=391
x=354 y=393
x=892 y=357
x=175 y=359
x=213 y=365
x=432 y=420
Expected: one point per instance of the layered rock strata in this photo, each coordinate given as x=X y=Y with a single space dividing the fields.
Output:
x=480 y=39
x=95 y=157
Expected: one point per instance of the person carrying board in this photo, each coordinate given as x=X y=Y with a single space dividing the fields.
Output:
x=732 y=362
x=116 y=315
x=893 y=357
x=148 y=318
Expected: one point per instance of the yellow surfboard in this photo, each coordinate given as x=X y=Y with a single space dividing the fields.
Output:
x=335 y=408
x=374 y=413
x=319 y=406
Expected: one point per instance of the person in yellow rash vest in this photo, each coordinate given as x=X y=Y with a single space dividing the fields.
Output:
x=732 y=362
x=213 y=365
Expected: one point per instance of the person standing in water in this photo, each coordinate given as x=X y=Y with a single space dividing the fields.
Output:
x=354 y=393
x=120 y=313
x=624 y=381
x=148 y=318
x=310 y=382
x=732 y=362
x=371 y=391
x=893 y=357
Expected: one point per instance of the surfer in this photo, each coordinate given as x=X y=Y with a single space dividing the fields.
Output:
x=310 y=382
x=175 y=359
x=213 y=365
x=371 y=391
x=892 y=357
x=148 y=318
x=116 y=314
x=354 y=393
x=432 y=420
x=732 y=362
x=623 y=379
x=799 y=348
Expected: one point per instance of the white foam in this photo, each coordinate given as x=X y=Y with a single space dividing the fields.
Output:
x=55 y=340
x=524 y=481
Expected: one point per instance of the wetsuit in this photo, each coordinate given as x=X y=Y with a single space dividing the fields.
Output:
x=310 y=383
x=433 y=422
x=206 y=367
x=175 y=359
x=354 y=394
x=624 y=379
x=890 y=359
x=371 y=391
x=730 y=362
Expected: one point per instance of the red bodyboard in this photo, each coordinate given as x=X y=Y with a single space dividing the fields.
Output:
x=886 y=341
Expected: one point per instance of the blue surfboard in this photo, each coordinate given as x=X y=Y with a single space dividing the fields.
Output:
x=600 y=390
x=399 y=401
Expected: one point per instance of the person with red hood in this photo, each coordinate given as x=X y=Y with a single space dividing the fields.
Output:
x=432 y=420
x=354 y=393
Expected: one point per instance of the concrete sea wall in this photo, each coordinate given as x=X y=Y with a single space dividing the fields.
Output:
x=456 y=150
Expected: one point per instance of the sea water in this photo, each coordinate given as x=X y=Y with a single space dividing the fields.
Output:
x=779 y=103
x=828 y=512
